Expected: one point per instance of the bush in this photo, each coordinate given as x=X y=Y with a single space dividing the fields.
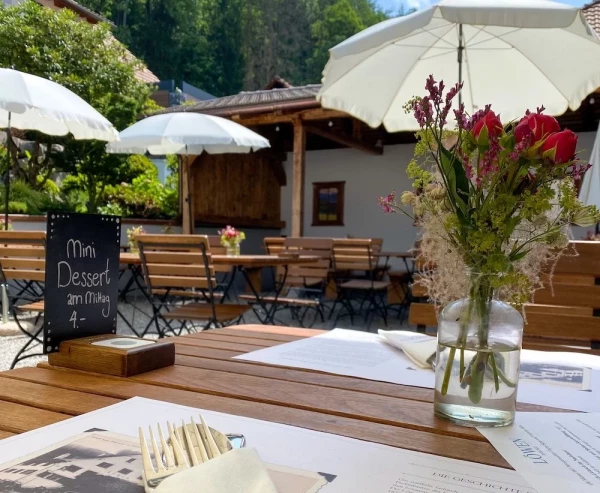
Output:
x=145 y=197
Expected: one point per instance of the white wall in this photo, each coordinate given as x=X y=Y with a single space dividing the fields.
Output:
x=368 y=177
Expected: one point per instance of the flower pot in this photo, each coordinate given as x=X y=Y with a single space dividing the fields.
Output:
x=233 y=250
x=478 y=357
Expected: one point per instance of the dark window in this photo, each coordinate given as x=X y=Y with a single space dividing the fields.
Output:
x=131 y=460
x=71 y=468
x=125 y=471
x=104 y=465
x=328 y=203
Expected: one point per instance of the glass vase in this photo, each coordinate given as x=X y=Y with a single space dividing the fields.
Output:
x=233 y=250
x=478 y=357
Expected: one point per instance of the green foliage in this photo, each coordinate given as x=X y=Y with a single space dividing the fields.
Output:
x=338 y=21
x=26 y=200
x=87 y=60
x=145 y=197
x=224 y=46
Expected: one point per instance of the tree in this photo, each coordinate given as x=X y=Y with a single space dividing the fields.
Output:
x=90 y=62
x=338 y=22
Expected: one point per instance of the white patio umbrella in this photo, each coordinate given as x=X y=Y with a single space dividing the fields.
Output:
x=28 y=102
x=590 y=188
x=186 y=134
x=512 y=54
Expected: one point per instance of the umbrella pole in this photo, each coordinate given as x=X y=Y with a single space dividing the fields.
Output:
x=6 y=201
x=461 y=49
x=7 y=174
x=188 y=197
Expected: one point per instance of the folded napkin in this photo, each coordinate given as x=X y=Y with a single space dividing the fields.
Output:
x=238 y=470
x=419 y=348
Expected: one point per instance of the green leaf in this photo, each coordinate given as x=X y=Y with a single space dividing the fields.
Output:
x=456 y=177
x=511 y=224
x=515 y=257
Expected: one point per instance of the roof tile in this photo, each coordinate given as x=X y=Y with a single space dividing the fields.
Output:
x=253 y=98
x=591 y=12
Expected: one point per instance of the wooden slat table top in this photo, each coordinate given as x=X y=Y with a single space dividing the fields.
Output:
x=248 y=261
x=394 y=254
x=205 y=376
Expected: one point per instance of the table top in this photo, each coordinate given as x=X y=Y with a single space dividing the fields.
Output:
x=394 y=254
x=205 y=376
x=248 y=261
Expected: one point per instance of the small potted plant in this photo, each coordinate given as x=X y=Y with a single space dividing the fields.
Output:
x=3 y=225
x=131 y=234
x=231 y=239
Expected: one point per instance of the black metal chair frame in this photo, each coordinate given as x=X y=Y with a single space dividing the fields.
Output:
x=374 y=299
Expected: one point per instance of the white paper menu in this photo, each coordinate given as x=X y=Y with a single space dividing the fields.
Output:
x=554 y=452
x=348 y=465
x=559 y=380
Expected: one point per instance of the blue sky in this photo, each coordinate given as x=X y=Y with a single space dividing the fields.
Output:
x=394 y=5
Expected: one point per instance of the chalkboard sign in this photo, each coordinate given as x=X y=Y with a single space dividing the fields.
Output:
x=82 y=277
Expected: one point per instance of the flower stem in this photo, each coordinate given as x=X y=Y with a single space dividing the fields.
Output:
x=447 y=373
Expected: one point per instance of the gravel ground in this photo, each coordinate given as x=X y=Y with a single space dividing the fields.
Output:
x=137 y=313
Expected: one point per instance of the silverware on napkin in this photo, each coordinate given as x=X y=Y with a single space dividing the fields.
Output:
x=186 y=446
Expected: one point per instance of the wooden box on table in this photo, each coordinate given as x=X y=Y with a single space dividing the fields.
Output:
x=121 y=356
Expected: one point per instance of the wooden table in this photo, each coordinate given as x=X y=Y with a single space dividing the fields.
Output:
x=205 y=376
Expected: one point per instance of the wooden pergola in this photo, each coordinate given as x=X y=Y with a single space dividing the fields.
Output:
x=293 y=121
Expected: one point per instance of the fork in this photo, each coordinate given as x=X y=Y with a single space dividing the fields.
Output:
x=178 y=453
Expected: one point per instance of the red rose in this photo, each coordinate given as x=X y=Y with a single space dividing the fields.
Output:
x=488 y=126
x=536 y=127
x=560 y=147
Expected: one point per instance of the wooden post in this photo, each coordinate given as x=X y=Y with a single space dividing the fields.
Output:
x=187 y=209
x=298 y=179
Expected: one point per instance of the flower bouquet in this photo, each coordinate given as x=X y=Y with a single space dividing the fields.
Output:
x=131 y=234
x=231 y=239
x=494 y=202
x=3 y=225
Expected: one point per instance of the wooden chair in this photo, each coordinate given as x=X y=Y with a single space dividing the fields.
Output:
x=564 y=317
x=353 y=256
x=274 y=246
x=23 y=271
x=180 y=276
x=304 y=284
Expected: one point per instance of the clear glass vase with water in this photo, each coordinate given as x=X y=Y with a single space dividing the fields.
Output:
x=478 y=357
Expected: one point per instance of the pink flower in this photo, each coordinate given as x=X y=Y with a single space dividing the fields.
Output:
x=487 y=129
x=388 y=203
x=560 y=147
x=536 y=127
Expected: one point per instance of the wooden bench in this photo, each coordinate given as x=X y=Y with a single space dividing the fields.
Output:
x=565 y=316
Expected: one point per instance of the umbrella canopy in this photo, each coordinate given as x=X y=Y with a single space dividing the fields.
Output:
x=512 y=54
x=29 y=102
x=186 y=133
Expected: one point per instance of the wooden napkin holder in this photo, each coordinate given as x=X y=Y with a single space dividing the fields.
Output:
x=110 y=354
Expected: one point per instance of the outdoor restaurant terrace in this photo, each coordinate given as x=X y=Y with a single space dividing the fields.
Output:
x=359 y=294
